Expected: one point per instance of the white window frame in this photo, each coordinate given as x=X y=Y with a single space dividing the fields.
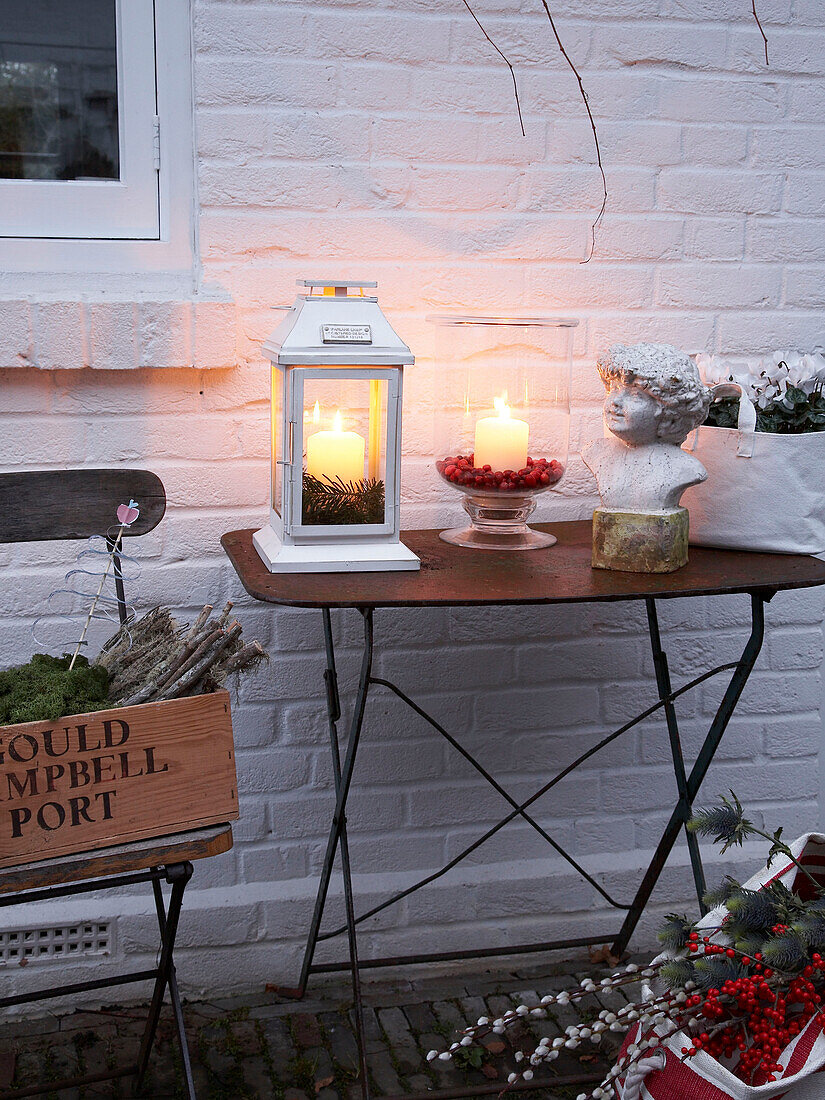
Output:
x=128 y=207
x=165 y=121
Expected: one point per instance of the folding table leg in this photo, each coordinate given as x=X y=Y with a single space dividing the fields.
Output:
x=682 y=811
x=178 y=875
x=334 y=711
x=664 y=687
x=342 y=777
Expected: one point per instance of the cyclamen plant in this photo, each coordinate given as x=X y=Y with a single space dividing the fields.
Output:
x=786 y=388
x=740 y=990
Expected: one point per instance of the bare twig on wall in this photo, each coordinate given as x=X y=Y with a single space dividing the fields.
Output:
x=504 y=59
x=577 y=75
x=761 y=30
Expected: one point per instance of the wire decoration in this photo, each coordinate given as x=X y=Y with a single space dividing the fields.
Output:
x=97 y=581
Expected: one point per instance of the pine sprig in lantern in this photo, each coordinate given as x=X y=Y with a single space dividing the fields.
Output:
x=333 y=501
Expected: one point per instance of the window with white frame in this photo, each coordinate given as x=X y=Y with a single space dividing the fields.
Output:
x=80 y=120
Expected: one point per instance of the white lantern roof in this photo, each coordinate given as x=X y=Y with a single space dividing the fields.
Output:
x=336 y=328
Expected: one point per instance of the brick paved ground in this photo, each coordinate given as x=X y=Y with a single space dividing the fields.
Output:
x=261 y=1046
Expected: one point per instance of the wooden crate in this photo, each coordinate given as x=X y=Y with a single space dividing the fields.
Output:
x=93 y=780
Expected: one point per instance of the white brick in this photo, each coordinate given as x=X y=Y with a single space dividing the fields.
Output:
x=526 y=42
x=790 y=50
x=264 y=771
x=379 y=36
x=713 y=146
x=246 y=32
x=694 y=331
x=112 y=335
x=59 y=335
x=721 y=286
x=784 y=147
x=266 y=82
x=631 y=190
x=711 y=99
x=607 y=285
x=756 y=332
x=806 y=193
x=720 y=191
x=660 y=42
x=621 y=142
x=164 y=334
x=714 y=238
x=804 y=287
x=215 y=339
x=15 y=334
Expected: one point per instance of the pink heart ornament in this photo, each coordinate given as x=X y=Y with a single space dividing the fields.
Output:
x=127 y=514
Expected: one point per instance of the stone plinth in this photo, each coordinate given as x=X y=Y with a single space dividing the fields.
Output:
x=640 y=542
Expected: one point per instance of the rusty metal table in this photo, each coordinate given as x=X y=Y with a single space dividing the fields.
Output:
x=451 y=576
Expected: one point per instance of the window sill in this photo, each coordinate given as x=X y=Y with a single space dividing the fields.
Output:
x=118 y=334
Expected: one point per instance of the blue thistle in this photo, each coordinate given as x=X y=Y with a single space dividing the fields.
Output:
x=810 y=928
x=676 y=973
x=785 y=952
x=726 y=823
x=673 y=935
x=753 y=910
x=721 y=893
x=749 y=943
x=712 y=971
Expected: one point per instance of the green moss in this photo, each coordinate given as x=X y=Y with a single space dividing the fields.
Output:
x=45 y=689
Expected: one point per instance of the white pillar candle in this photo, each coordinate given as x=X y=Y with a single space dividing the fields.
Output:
x=336 y=453
x=501 y=441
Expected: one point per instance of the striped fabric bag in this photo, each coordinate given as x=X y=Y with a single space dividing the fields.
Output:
x=702 y=1077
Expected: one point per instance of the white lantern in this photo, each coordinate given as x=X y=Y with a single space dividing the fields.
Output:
x=337 y=367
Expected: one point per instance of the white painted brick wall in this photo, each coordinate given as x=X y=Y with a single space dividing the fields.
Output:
x=380 y=141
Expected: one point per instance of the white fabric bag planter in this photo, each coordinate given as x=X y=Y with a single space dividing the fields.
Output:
x=702 y=1077
x=763 y=492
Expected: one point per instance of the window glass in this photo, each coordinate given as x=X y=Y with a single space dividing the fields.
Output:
x=58 y=90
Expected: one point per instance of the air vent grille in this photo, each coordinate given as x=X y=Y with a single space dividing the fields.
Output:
x=67 y=942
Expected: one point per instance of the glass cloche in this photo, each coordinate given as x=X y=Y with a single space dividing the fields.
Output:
x=501 y=422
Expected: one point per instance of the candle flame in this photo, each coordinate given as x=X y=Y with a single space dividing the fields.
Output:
x=316 y=412
x=501 y=406
x=337 y=423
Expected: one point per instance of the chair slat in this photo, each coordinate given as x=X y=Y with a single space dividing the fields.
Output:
x=74 y=504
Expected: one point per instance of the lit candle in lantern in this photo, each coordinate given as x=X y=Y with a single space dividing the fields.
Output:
x=336 y=453
x=501 y=441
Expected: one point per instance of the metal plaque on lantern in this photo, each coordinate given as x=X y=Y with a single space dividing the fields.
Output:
x=502 y=421
x=337 y=368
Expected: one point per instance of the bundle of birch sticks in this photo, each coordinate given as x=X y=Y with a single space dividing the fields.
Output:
x=158 y=658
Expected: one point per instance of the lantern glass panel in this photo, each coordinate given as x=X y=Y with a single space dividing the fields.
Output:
x=278 y=456
x=344 y=460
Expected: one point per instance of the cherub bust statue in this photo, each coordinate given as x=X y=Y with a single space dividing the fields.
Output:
x=655 y=397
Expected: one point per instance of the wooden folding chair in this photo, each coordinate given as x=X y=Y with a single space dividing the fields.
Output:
x=75 y=504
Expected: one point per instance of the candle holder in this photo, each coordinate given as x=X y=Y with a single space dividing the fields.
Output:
x=337 y=368
x=502 y=421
